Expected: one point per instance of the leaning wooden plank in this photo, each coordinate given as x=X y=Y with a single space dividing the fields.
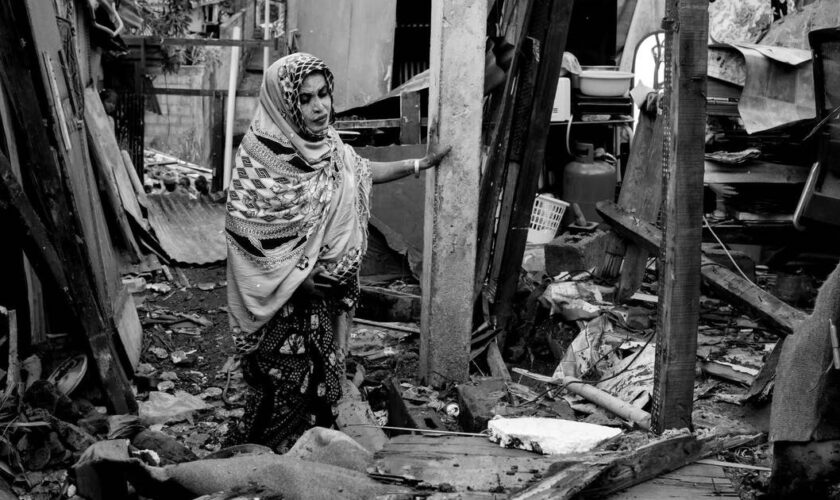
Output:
x=495 y=164
x=641 y=192
x=74 y=288
x=34 y=291
x=647 y=203
x=630 y=227
x=694 y=481
x=139 y=191
x=550 y=24
x=782 y=317
x=596 y=475
x=107 y=157
x=566 y=483
x=129 y=328
x=762 y=386
x=60 y=173
x=736 y=290
x=655 y=459
x=495 y=362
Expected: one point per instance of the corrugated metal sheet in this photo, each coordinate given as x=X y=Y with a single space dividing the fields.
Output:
x=190 y=231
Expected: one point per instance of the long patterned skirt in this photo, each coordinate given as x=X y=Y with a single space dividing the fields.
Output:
x=294 y=374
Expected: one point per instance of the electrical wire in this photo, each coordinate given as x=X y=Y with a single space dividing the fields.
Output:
x=726 y=250
x=568 y=132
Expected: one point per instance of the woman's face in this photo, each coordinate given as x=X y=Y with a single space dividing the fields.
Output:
x=315 y=102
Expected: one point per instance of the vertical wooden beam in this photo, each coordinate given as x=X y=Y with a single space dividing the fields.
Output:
x=455 y=105
x=686 y=24
x=497 y=141
x=549 y=27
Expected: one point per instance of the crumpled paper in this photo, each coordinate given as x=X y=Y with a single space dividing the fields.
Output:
x=573 y=300
x=162 y=407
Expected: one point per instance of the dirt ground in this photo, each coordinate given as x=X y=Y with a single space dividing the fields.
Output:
x=207 y=349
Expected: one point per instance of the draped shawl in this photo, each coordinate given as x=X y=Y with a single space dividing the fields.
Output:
x=296 y=199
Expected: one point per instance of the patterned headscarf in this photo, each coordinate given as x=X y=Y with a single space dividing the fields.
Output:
x=280 y=93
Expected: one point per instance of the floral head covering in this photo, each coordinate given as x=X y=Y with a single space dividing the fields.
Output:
x=280 y=91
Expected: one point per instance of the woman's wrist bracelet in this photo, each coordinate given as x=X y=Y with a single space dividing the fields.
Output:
x=416 y=168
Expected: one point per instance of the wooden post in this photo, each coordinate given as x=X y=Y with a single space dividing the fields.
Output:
x=455 y=104
x=686 y=24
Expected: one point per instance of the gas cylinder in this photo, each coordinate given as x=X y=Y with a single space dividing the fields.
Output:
x=587 y=181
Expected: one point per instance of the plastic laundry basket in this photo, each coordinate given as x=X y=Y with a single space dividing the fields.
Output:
x=545 y=219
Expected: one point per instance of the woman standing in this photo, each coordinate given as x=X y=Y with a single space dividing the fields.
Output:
x=297 y=214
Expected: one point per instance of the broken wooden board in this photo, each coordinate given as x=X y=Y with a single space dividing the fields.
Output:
x=466 y=463
x=136 y=183
x=641 y=192
x=128 y=326
x=689 y=482
x=597 y=475
x=763 y=383
x=114 y=180
x=495 y=362
x=732 y=287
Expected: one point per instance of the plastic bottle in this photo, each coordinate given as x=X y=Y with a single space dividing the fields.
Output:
x=587 y=181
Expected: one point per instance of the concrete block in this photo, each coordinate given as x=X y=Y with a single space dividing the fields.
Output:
x=575 y=252
x=478 y=401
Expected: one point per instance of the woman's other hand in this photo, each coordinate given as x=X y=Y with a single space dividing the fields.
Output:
x=319 y=283
x=434 y=155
